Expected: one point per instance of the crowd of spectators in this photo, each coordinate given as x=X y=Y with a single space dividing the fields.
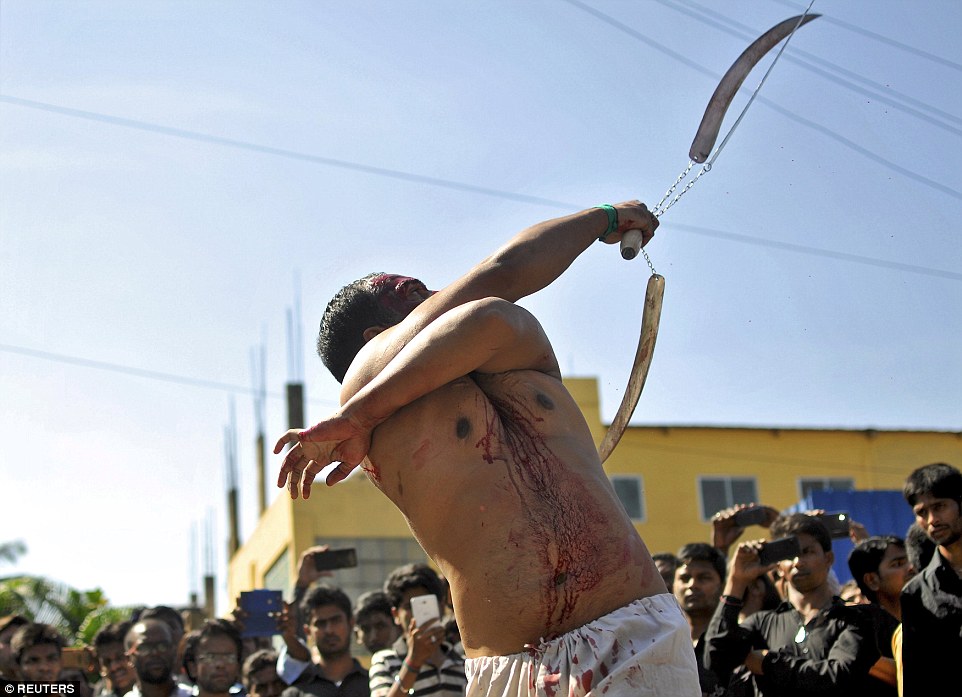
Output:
x=760 y=624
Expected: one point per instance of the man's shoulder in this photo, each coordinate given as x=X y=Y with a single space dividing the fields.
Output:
x=914 y=586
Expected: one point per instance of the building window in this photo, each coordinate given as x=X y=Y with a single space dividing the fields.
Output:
x=718 y=493
x=278 y=577
x=806 y=485
x=629 y=491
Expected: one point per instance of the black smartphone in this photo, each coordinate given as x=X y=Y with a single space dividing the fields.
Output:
x=753 y=515
x=260 y=606
x=837 y=523
x=777 y=550
x=335 y=559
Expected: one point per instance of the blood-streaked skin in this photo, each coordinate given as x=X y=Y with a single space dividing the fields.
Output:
x=557 y=521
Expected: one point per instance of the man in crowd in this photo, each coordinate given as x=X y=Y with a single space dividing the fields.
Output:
x=420 y=662
x=150 y=647
x=454 y=403
x=37 y=651
x=8 y=627
x=812 y=643
x=259 y=674
x=216 y=659
x=117 y=676
x=328 y=625
x=932 y=601
x=666 y=563
x=374 y=625
x=697 y=587
x=881 y=568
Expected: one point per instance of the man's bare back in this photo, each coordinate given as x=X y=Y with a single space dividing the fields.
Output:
x=500 y=482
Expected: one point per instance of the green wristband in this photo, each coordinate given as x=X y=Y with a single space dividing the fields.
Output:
x=612 y=220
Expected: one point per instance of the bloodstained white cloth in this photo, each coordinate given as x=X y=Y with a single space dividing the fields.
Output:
x=641 y=649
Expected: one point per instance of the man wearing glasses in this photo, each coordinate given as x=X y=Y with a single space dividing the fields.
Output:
x=151 y=650
x=217 y=661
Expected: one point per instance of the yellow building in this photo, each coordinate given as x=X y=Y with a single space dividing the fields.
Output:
x=670 y=478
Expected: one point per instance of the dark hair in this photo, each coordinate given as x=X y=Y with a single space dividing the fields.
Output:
x=256 y=662
x=802 y=524
x=113 y=633
x=371 y=603
x=12 y=621
x=321 y=594
x=702 y=551
x=771 y=599
x=866 y=558
x=187 y=653
x=939 y=480
x=350 y=312
x=34 y=634
x=133 y=633
x=665 y=556
x=919 y=547
x=409 y=576
x=221 y=628
x=165 y=614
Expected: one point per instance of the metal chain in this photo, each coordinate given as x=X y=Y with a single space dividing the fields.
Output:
x=662 y=208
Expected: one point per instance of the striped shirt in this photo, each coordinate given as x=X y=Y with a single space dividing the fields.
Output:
x=446 y=680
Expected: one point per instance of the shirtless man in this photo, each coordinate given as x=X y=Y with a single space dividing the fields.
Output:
x=452 y=402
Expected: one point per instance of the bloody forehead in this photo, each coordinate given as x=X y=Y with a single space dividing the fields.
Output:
x=387 y=281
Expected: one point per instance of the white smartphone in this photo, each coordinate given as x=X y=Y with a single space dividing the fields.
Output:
x=425 y=608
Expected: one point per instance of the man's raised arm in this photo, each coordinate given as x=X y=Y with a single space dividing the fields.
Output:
x=538 y=255
x=528 y=262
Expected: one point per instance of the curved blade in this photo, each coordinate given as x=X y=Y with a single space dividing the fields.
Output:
x=711 y=122
x=650 y=317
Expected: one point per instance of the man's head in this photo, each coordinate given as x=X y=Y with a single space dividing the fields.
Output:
x=37 y=650
x=168 y=615
x=217 y=657
x=8 y=627
x=326 y=613
x=186 y=654
x=699 y=578
x=260 y=674
x=151 y=649
x=112 y=661
x=919 y=548
x=666 y=563
x=880 y=567
x=409 y=581
x=374 y=625
x=361 y=310
x=935 y=494
x=810 y=570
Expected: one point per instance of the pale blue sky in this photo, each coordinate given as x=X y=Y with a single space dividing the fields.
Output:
x=168 y=168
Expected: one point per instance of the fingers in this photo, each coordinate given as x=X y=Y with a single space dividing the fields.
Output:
x=337 y=472
x=292 y=436
x=310 y=472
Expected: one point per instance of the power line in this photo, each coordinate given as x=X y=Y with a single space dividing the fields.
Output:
x=281 y=152
x=851 y=145
x=884 y=39
x=564 y=205
x=145 y=373
x=825 y=253
x=879 y=92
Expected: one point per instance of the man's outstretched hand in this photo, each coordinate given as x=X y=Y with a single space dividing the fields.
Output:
x=334 y=447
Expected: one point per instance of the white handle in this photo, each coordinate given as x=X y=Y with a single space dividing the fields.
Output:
x=630 y=244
